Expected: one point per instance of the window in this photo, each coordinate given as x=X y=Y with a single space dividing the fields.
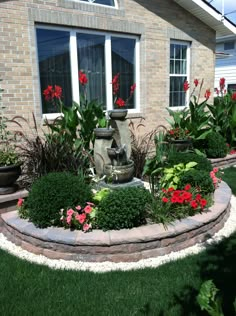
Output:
x=104 y=2
x=229 y=45
x=179 y=63
x=232 y=87
x=62 y=54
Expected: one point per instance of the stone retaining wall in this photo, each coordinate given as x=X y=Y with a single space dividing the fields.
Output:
x=227 y=161
x=124 y=245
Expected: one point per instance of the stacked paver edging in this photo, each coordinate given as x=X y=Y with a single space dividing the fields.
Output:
x=124 y=245
x=227 y=161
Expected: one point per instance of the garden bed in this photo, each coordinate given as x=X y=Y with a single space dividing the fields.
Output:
x=123 y=245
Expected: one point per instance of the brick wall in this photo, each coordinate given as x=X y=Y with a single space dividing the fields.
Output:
x=156 y=22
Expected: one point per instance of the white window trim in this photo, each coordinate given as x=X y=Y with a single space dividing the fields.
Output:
x=188 y=44
x=99 y=4
x=108 y=65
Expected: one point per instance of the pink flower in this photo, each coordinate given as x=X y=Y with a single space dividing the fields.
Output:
x=78 y=207
x=68 y=219
x=70 y=212
x=20 y=202
x=88 y=209
x=80 y=218
x=86 y=227
x=215 y=170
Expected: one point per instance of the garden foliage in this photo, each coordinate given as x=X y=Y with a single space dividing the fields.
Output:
x=215 y=145
x=123 y=208
x=53 y=192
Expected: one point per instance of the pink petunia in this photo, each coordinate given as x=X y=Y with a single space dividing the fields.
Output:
x=86 y=227
x=88 y=209
x=80 y=218
x=70 y=212
x=68 y=219
x=78 y=207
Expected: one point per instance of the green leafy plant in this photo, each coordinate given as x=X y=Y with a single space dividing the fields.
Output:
x=153 y=167
x=53 y=192
x=171 y=176
x=123 y=208
x=198 y=179
x=202 y=162
x=209 y=300
x=215 y=145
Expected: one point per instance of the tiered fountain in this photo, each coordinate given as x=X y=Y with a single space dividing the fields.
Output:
x=112 y=155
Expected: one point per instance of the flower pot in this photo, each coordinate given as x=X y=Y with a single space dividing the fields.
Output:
x=8 y=177
x=181 y=144
x=118 y=114
x=120 y=174
x=103 y=132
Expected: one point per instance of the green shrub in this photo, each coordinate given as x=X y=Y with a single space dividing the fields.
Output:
x=180 y=157
x=197 y=179
x=123 y=208
x=53 y=192
x=215 y=145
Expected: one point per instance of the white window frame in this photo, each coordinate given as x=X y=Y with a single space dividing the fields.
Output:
x=188 y=44
x=99 y=4
x=108 y=67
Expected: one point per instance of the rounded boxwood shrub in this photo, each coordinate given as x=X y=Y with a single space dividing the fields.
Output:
x=178 y=157
x=197 y=179
x=123 y=208
x=53 y=192
x=215 y=145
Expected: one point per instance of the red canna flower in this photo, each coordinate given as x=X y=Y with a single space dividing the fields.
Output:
x=233 y=97
x=83 y=78
x=48 y=93
x=196 y=82
x=57 y=92
x=120 y=102
x=207 y=94
x=115 y=84
x=222 y=83
x=186 y=85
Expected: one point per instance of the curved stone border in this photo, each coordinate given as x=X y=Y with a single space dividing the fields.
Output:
x=124 y=245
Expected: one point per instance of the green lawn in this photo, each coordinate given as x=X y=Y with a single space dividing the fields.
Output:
x=170 y=290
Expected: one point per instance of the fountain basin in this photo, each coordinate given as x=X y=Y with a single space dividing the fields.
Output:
x=120 y=174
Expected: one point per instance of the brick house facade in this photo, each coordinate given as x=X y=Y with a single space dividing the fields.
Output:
x=153 y=24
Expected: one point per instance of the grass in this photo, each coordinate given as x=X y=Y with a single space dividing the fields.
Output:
x=170 y=290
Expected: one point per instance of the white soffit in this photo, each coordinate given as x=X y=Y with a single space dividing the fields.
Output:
x=209 y=16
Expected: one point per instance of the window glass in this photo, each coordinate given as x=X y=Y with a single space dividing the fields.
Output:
x=178 y=73
x=90 y=49
x=123 y=62
x=54 y=64
x=232 y=87
x=104 y=2
x=229 y=45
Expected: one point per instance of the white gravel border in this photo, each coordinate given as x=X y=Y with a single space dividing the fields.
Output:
x=101 y=267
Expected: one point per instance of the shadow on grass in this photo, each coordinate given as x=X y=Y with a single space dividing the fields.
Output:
x=217 y=263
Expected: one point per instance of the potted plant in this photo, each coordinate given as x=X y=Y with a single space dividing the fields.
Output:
x=179 y=138
x=10 y=168
x=120 y=112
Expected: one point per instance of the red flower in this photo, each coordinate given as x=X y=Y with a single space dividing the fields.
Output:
x=186 y=85
x=48 y=93
x=233 y=97
x=120 y=102
x=196 y=82
x=165 y=200
x=57 y=92
x=83 y=78
x=171 y=189
x=115 y=84
x=132 y=88
x=187 y=187
x=198 y=197
x=207 y=94
x=203 y=203
x=217 y=91
x=174 y=199
x=193 y=204
x=222 y=83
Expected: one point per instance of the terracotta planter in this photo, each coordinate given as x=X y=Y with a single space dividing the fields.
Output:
x=104 y=132
x=8 y=177
x=181 y=144
x=118 y=114
x=120 y=174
